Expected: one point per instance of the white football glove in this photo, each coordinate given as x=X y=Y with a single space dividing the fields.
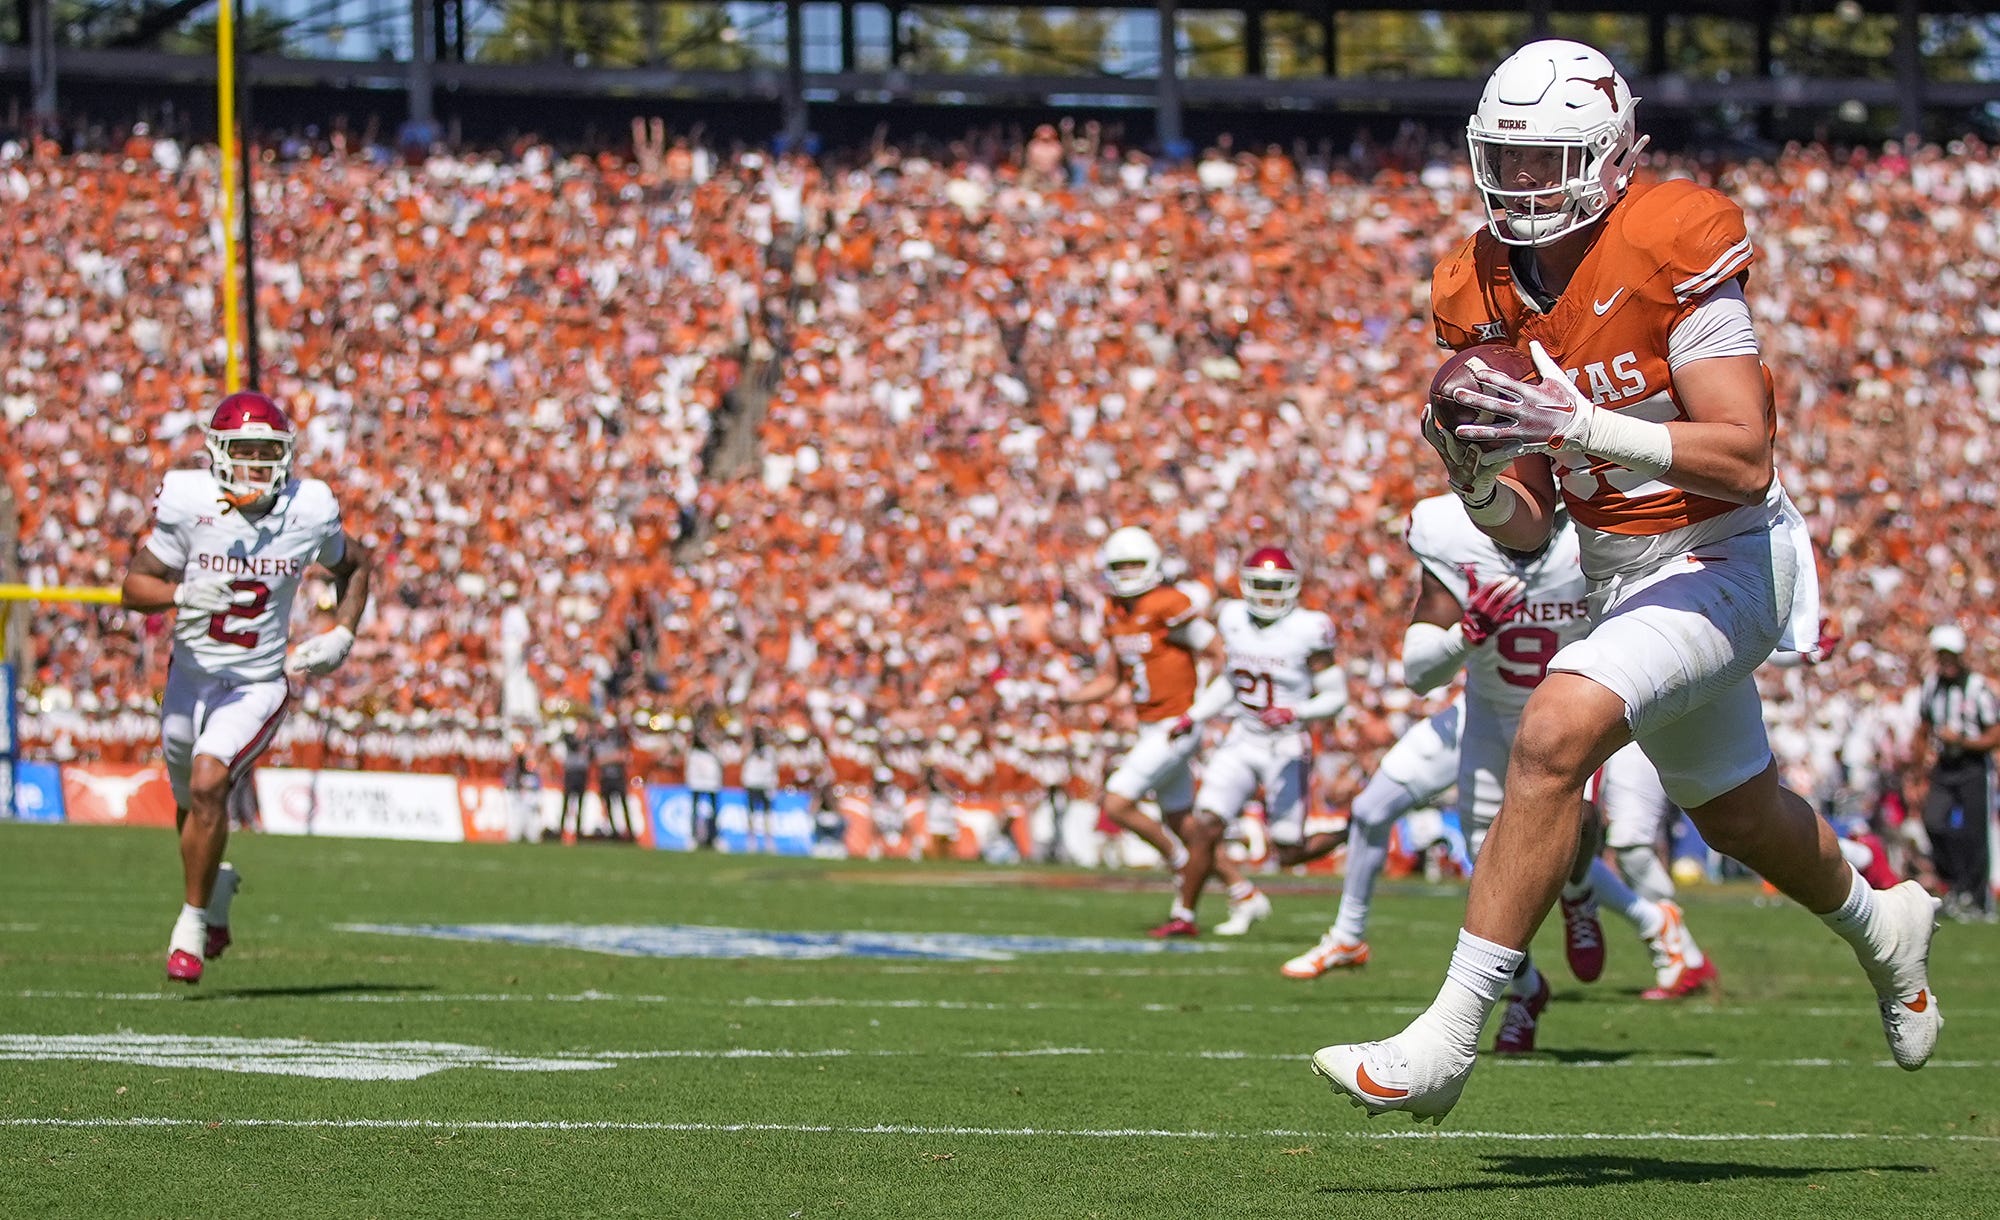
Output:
x=1470 y=472
x=204 y=595
x=321 y=654
x=1548 y=416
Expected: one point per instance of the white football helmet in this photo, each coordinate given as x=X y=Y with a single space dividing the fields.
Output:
x=1552 y=143
x=1131 y=561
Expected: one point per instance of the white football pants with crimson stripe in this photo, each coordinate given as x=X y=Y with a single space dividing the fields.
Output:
x=224 y=718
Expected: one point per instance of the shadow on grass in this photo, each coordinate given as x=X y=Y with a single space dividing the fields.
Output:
x=1577 y=1054
x=314 y=989
x=1522 y=1171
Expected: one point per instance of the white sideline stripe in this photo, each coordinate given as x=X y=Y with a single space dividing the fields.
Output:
x=1695 y=1008
x=557 y=1124
x=1057 y=1052
x=124 y=1046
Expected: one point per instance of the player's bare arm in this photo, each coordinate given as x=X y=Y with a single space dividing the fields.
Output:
x=1106 y=683
x=1723 y=448
x=151 y=587
x=352 y=574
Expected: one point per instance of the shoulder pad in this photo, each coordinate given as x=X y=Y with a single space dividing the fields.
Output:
x=1694 y=234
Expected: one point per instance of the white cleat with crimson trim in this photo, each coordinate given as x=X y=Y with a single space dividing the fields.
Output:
x=1417 y=1071
x=1910 y=1013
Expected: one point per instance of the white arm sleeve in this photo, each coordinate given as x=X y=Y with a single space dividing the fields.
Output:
x=1719 y=326
x=1193 y=634
x=171 y=517
x=334 y=549
x=1214 y=697
x=1432 y=654
x=1329 y=695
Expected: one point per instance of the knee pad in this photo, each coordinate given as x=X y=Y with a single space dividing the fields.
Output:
x=1645 y=874
x=1381 y=803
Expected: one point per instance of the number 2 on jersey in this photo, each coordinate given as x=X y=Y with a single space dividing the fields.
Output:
x=218 y=623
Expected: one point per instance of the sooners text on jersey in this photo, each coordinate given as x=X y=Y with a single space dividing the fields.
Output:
x=1502 y=673
x=264 y=559
x=1663 y=248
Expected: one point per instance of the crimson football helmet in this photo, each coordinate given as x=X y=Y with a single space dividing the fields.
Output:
x=249 y=447
x=1270 y=583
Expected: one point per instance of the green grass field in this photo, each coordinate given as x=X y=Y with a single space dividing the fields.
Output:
x=1075 y=1084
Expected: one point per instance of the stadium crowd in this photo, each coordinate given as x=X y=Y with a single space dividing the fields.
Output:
x=961 y=365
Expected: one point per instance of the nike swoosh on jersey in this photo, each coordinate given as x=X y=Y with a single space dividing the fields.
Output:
x=1602 y=306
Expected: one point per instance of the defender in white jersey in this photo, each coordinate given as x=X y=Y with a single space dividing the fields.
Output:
x=229 y=548
x=1502 y=616
x=1277 y=677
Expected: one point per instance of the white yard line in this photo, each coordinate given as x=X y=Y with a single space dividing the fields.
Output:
x=123 y=1046
x=1537 y=1137
x=1694 y=1008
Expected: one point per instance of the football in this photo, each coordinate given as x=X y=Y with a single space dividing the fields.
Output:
x=1456 y=373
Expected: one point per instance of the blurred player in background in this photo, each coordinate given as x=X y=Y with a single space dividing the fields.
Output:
x=1653 y=419
x=229 y=549
x=1414 y=774
x=1277 y=679
x=1156 y=632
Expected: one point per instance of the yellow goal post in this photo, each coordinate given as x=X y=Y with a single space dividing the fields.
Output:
x=10 y=737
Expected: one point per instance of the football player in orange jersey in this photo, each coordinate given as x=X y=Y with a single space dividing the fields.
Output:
x=1653 y=418
x=1156 y=633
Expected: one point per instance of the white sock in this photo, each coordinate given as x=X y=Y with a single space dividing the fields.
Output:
x=1578 y=891
x=1182 y=912
x=1179 y=859
x=1373 y=816
x=1643 y=913
x=190 y=931
x=1479 y=972
x=1241 y=891
x=1857 y=923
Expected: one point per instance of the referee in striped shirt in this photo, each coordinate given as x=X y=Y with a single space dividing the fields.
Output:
x=1963 y=715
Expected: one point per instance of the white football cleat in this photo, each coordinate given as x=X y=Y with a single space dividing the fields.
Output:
x=1910 y=1013
x=1416 y=1071
x=1243 y=914
x=1333 y=952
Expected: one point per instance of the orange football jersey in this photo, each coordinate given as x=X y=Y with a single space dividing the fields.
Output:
x=1162 y=672
x=1664 y=247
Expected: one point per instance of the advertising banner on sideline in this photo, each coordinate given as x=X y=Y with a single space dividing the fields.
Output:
x=117 y=794
x=38 y=794
x=360 y=804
